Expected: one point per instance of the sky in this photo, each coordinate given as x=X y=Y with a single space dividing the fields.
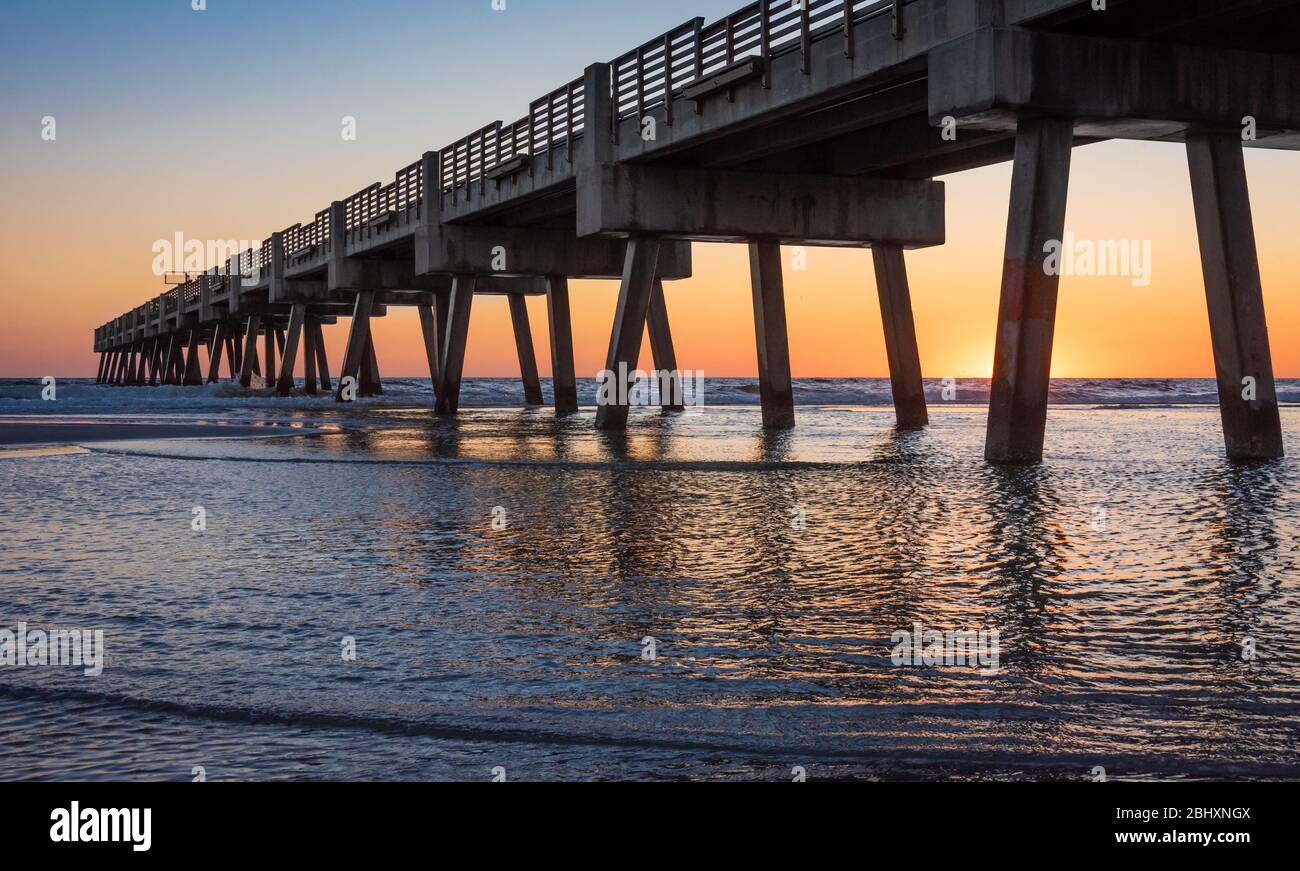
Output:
x=225 y=124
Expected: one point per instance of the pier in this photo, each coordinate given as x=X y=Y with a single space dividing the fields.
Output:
x=800 y=122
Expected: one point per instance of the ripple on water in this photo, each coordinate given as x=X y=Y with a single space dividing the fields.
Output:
x=1123 y=576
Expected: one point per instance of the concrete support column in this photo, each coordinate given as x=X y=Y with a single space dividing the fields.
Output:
x=432 y=347
x=1022 y=359
x=371 y=383
x=214 y=356
x=193 y=365
x=453 y=346
x=900 y=337
x=322 y=360
x=358 y=338
x=172 y=363
x=310 y=385
x=562 y=368
x=524 y=348
x=1243 y=364
x=99 y=373
x=639 y=266
x=181 y=363
x=661 y=348
x=297 y=317
x=268 y=345
x=249 y=357
x=775 y=385
x=232 y=353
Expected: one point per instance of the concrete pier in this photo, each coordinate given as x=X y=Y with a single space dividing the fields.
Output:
x=779 y=124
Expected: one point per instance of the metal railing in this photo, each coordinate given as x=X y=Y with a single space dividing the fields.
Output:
x=554 y=119
x=644 y=77
x=300 y=240
x=649 y=75
x=378 y=203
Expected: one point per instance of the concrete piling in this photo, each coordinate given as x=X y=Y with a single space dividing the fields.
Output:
x=1022 y=359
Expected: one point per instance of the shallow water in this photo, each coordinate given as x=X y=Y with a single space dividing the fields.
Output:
x=1121 y=632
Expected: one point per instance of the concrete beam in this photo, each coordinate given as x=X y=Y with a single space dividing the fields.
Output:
x=718 y=206
x=1117 y=88
x=520 y=252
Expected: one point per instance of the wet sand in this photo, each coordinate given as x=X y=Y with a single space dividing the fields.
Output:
x=29 y=432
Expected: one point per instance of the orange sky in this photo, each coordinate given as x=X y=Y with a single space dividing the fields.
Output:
x=226 y=125
x=56 y=293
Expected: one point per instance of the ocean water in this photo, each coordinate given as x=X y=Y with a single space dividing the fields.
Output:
x=504 y=573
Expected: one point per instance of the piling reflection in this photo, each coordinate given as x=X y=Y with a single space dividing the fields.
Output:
x=1024 y=544
x=1245 y=543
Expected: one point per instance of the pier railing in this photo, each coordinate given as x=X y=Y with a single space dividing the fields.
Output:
x=647 y=77
x=554 y=119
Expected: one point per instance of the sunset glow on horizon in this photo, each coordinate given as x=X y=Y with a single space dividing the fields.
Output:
x=148 y=147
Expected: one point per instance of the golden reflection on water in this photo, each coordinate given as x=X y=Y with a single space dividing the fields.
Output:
x=773 y=569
